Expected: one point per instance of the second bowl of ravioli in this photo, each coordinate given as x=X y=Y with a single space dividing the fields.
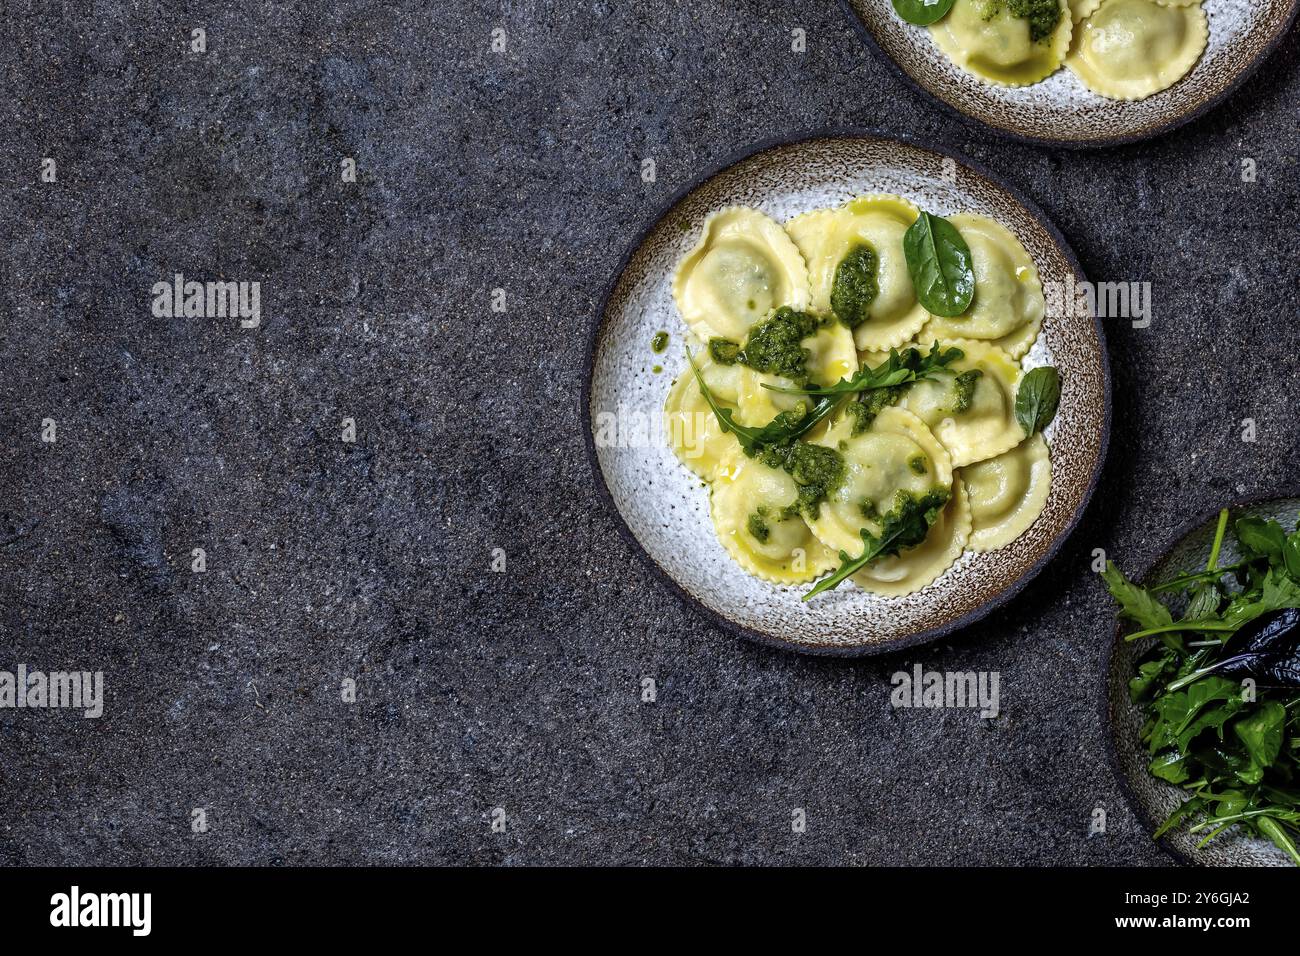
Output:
x=735 y=268
x=1077 y=72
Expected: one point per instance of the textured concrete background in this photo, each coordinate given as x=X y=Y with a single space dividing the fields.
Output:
x=370 y=560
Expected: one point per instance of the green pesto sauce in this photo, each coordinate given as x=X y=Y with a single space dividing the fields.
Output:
x=964 y=389
x=919 y=465
x=657 y=369
x=757 y=527
x=772 y=346
x=1043 y=15
x=816 y=469
x=855 y=286
x=869 y=509
x=870 y=404
x=724 y=351
x=911 y=517
x=659 y=342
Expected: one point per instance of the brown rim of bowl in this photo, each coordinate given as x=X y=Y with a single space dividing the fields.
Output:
x=1102 y=142
x=1149 y=563
x=589 y=362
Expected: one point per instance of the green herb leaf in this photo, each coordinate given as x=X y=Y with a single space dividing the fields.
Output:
x=1281 y=839
x=1291 y=555
x=1261 y=732
x=1170 y=766
x=905 y=526
x=1038 y=398
x=939 y=262
x=1262 y=537
x=1135 y=602
x=901 y=368
x=786 y=427
x=922 y=12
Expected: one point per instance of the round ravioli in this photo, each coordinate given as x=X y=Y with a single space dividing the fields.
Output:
x=1007 y=493
x=987 y=38
x=876 y=223
x=1130 y=49
x=831 y=357
x=1008 y=305
x=971 y=406
x=692 y=430
x=743 y=267
x=914 y=568
x=895 y=453
x=750 y=504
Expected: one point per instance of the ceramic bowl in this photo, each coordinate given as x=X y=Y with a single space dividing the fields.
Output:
x=1060 y=110
x=1154 y=799
x=663 y=509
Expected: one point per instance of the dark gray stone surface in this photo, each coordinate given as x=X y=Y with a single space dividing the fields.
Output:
x=371 y=560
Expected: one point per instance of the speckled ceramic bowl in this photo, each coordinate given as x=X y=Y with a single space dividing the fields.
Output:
x=1153 y=799
x=665 y=509
x=1060 y=110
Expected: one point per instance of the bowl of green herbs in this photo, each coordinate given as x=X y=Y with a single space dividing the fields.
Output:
x=1203 y=689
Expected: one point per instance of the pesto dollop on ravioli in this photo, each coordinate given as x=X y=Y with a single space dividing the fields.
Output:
x=1009 y=42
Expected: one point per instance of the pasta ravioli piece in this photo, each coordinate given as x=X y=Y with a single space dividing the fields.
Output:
x=743 y=267
x=831 y=357
x=914 y=568
x=970 y=407
x=877 y=223
x=896 y=453
x=1130 y=49
x=1082 y=9
x=692 y=429
x=1008 y=306
x=1007 y=493
x=984 y=37
x=750 y=504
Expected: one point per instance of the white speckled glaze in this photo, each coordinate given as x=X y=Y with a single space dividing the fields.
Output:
x=1154 y=799
x=666 y=508
x=1060 y=109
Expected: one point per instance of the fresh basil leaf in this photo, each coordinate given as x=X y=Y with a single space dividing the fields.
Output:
x=939 y=263
x=1038 y=398
x=922 y=12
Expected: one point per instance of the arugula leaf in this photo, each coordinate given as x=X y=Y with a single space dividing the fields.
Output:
x=1188 y=809
x=1037 y=399
x=899 y=369
x=1261 y=732
x=939 y=263
x=1281 y=839
x=1204 y=604
x=1171 y=766
x=786 y=427
x=1264 y=538
x=1135 y=602
x=922 y=12
x=905 y=526
x=1175 y=713
x=1291 y=555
